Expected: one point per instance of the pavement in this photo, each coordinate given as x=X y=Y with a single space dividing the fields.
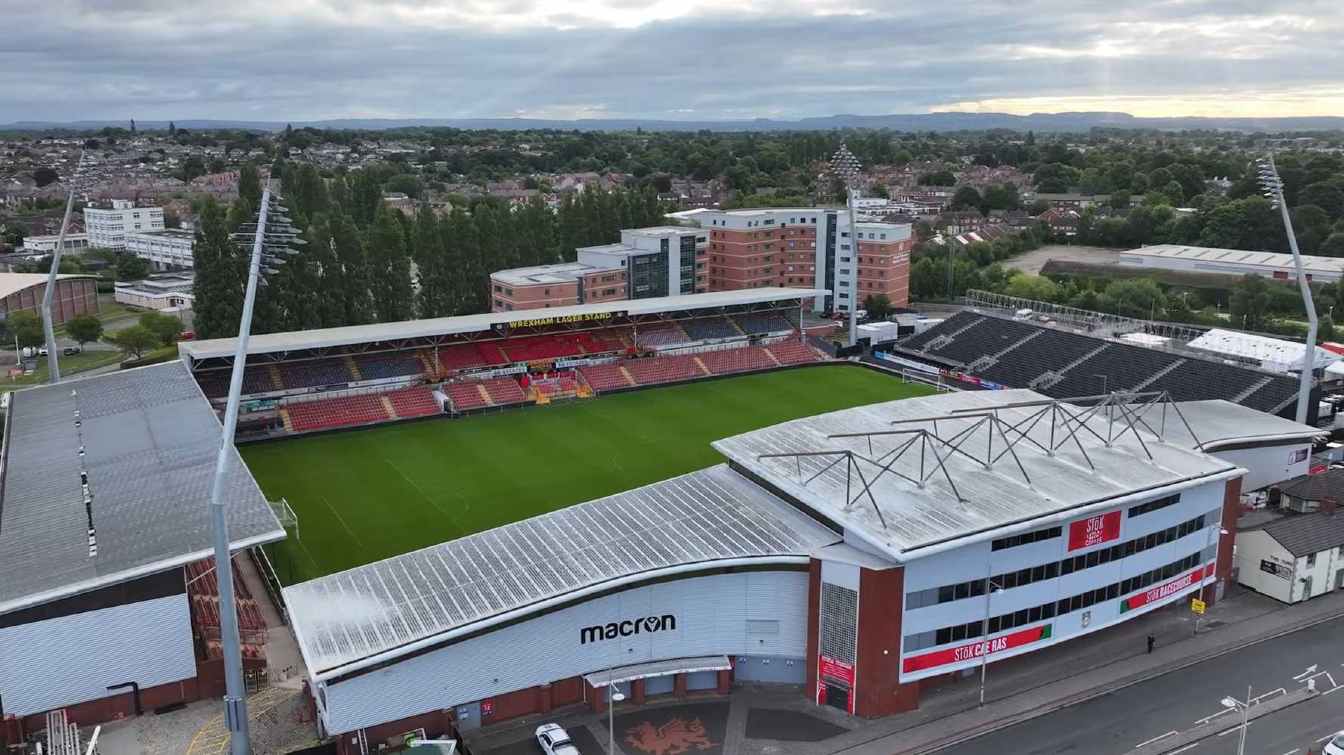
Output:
x=1062 y=699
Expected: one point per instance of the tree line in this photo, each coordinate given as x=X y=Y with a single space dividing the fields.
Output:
x=365 y=262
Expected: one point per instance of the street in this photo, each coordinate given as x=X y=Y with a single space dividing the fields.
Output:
x=1120 y=721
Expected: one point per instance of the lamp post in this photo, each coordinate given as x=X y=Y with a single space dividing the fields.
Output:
x=846 y=167
x=49 y=295
x=273 y=239
x=1272 y=187
x=990 y=588
x=1232 y=703
x=613 y=696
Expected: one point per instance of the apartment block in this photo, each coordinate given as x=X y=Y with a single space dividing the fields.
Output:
x=167 y=249
x=558 y=285
x=107 y=225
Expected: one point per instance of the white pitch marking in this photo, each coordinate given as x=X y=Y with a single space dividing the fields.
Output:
x=1154 y=739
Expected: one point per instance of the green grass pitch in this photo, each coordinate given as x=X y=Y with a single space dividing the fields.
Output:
x=367 y=495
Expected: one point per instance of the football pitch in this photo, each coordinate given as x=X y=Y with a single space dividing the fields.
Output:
x=366 y=495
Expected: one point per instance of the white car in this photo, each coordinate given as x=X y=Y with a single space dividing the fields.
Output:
x=554 y=740
x=1335 y=746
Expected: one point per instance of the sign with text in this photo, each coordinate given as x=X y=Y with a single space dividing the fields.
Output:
x=566 y=319
x=838 y=670
x=973 y=650
x=1154 y=594
x=1094 y=530
x=1197 y=605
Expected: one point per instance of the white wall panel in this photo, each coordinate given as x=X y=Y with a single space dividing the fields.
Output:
x=711 y=619
x=73 y=659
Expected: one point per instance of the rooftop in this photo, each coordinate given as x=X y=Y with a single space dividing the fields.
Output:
x=150 y=440
x=661 y=230
x=172 y=233
x=560 y=272
x=1267 y=260
x=270 y=343
x=892 y=490
x=12 y=283
x=1305 y=534
x=1274 y=352
x=703 y=519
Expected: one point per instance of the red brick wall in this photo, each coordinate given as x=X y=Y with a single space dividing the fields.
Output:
x=1231 y=511
x=437 y=724
x=513 y=704
x=813 y=625
x=121 y=705
x=877 y=670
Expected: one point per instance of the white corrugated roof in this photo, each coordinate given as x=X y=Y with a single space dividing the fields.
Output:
x=1273 y=353
x=1268 y=261
x=270 y=343
x=912 y=517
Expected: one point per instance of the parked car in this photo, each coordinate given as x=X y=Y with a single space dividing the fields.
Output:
x=1335 y=746
x=72 y=350
x=555 y=741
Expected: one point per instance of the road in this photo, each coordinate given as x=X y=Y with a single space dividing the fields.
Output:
x=1118 y=722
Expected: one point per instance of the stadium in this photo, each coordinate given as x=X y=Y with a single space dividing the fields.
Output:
x=468 y=520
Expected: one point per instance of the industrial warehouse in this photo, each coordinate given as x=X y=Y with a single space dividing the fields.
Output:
x=857 y=553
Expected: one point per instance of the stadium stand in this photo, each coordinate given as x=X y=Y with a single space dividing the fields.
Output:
x=337 y=412
x=1061 y=364
x=416 y=401
x=316 y=372
x=466 y=356
x=763 y=322
x=467 y=395
x=793 y=352
x=651 y=371
x=662 y=334
x=605 y=377
x=203 y=589
x=387 y=365
x=744 y=359
x=504 y=391
x=552 y=346
x=706 y=328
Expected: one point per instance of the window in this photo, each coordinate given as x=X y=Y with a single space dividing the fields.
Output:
x=1154 y=505
x=1311 y=560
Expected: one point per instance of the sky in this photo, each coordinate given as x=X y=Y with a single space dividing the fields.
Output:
x=298 y=60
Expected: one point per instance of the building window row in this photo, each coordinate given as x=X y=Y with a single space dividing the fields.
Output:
x=1003 y=622
x=1036 y=536
x=947 y=593
x=1154 y=505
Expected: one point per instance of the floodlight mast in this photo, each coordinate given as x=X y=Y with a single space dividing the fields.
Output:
x=1272 y=187
x=847 y=168
x=49 y=295
x=269 y=246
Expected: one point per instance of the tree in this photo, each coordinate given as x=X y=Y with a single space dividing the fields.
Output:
x=966 y=198
x=26 y=326
x=44 y=176
x=1133 y=297
x=389 y=268
x=192 y=167
x=938 y=178
x=134 y=341
x=1249 y=306
x=878 y=306
x=1325 y=330
x=249 y=185
x=164 y=327
x=1326 y=195
x=131 y=267
x=1036 y=287
x=84 y=329
x=220 y=269
x=171 y=219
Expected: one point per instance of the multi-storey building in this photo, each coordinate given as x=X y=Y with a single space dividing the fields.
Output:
x=73 y=242
x=809 y=247
x=646 y=263
x=107 y=226
x=165 y=249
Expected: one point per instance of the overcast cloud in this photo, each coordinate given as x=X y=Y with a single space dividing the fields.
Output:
x=668 y=59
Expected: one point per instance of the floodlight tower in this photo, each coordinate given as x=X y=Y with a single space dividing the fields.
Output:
x=48 y=330
x=846 y=167
x=274 y=239
x=1272 y=187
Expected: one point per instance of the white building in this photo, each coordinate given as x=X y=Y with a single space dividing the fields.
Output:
x=1204 y=259
x=659 y=261
x=1296 y=551
x=107 y=226
x=1267 y=353
x=165 y=249
x=170 y=293
x=73 y=242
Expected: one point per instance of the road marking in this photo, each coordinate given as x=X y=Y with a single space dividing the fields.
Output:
x=1332 y=689
x=1290 y=752
x=1154 y=739
x=1190 y=746
x=1207 y=719
x=1327 y=736
x=1310 y=670
x=1235 y=728
x=1279 y=691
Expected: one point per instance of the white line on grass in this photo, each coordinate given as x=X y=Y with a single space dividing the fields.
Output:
x=334 y=513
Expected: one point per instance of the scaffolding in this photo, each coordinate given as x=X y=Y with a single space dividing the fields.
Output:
x=985 y=437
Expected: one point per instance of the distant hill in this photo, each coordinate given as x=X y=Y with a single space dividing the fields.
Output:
x=1041 y=122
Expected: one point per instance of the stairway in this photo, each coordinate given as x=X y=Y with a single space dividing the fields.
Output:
x=1156 y=375
x=354 y=368
x=387 y=407
x=277 y=381
x=702 y=366
x=427 y=361
x=628 y=377
x=284 y=420
x=485 y=395
x=1240 y=397
x=773 y=358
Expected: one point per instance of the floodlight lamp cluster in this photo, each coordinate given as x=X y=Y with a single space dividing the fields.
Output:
x=1271 y=186
x=279 y=237
x=845 y=166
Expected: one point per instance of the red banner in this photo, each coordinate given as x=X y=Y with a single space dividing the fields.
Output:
x=1094 y=530
x=836 y=670
x=974 y=650
x=1154 y=594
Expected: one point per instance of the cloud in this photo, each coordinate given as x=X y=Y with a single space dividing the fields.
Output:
x=310 y=59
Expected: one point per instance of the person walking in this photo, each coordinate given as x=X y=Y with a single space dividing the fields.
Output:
x=1151 y=641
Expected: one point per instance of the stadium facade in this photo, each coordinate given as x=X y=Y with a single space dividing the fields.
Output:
x=103 y=508
x=860 y=553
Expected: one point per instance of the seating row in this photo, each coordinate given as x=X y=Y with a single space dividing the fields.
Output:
x=337 y=412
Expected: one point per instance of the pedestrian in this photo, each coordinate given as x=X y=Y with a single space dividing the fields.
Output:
x=1151 y=642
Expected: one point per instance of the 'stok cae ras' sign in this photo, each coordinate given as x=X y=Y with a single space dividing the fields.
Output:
x=610 y=631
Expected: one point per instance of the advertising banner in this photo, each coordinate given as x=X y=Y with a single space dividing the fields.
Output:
x=1094 y=530
x=973 y=650
x=836 y=670
x=1165 y=590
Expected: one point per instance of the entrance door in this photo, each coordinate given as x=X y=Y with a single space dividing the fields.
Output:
x=1306 y=588
x=837 y=696
x=1339 y=580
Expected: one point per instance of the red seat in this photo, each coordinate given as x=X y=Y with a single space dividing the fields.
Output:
x=417 y=401
x=794 y=352
x=663 y=369
x=604 y=377
x=737 y=360
x=337 y=412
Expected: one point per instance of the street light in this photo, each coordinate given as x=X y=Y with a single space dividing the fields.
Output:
x=1272 y=187
x=846 y=167
x=991 y=587
x=49 y=295
x=613 y=696
x=1232 y=703
x=273 y=240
